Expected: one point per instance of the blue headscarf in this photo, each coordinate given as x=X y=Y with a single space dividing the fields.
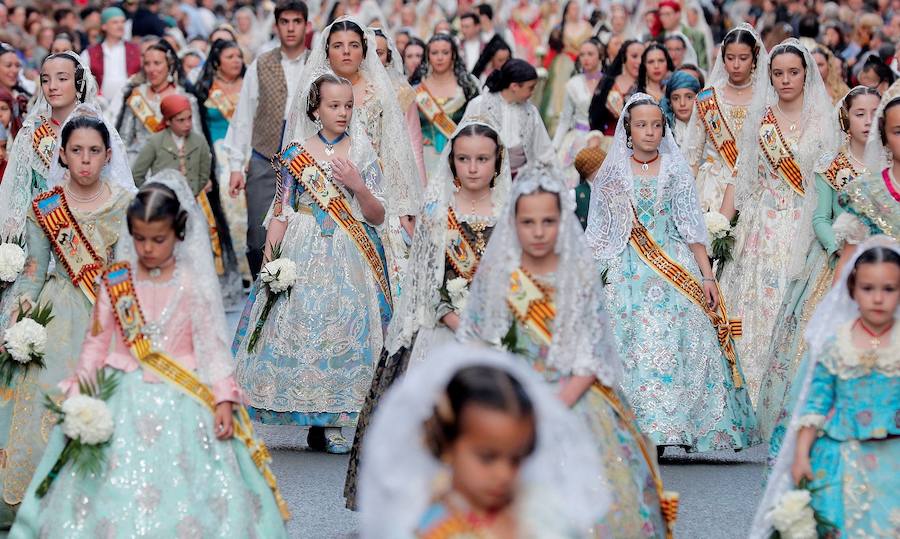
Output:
x=678 y=81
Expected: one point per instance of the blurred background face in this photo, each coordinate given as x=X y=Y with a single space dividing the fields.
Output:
x=412 y=57
x=676 y=50
x=231 y=62
x=821 y=64
x=589 y=57
x=683 y=103
x=9 y=69
x=440 y=56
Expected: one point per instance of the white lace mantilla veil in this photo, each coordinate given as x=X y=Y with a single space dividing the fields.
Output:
x=690 y=53
x=836 y=310
x=416 y=306
x=397 y=479
x=718 y=78
x=402 y=187
x=820 y=140
x=612 y=193
x=116 y=172
x=583 y=342
x=15 y=191
x=876 y=156
x=198 y=276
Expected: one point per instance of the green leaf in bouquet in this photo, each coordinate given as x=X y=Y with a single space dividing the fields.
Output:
x=510 y=341
x=604 y=277
x=42 y=314
x=102 y=387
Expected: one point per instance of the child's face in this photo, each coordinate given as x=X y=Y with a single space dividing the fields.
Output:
x=537 y=223
x=5 y=114
x=892 y=130
x=2 y=150
x=182 y=123
x=475 y=160
x=336 y=106
x=877 y=291
x=85 y=155
x=154 y=241
x=488 y=454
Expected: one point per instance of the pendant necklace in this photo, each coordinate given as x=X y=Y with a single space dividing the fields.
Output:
x=645 y=165
x=870 y=357
x=792 y=123
x=329 y=144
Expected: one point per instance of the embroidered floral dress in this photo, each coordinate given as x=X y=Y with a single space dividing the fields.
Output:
x=872 y=207
x=802 y=297
x=314 y=360
x=677 y=378
x=713 y=171
x=854 y=400
x=25 y=424
x=164 y=470
x=574 y=125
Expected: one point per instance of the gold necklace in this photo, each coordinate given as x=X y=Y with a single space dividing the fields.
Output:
x=474 y=202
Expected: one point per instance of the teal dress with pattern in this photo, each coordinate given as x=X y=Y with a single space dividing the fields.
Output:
x=677 y=378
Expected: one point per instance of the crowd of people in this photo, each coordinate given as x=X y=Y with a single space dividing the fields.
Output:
x=518 y=248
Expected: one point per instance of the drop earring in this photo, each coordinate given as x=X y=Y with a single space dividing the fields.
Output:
x=319 y=125
x=628 y=143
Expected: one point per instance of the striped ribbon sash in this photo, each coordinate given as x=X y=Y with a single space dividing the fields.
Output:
x=144 y=113
x=460 y=253
x=72 y=247
x=214 y=241
x=130 y=319
x=840 y=172
x=300 y=164
x=777 y=153
x=717 y=128
x=532 y=305
x=726 y=329
x=433 y=111
x=221 y=101
x=44 y=141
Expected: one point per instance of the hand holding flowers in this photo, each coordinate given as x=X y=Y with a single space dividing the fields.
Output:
x=721 y=238
x=24 y=342
x=276 y=277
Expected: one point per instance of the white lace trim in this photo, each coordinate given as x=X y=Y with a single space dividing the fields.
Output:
x=852 y=361
x=811 y=420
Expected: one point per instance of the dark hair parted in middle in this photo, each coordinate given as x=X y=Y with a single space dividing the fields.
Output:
x=83 y=122
x=157 y=202
x=348 y=26
x=515 y=70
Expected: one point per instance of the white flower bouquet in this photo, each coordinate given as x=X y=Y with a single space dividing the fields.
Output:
x=88 y=425
x=24 y=343
x=276 y=278
x=721 y=238
x=794 y=518
x=458 y=291
x=12 y=262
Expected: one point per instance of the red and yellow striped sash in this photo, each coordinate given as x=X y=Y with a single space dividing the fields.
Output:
x=532 y=304
x=221 y=101
x=429 y=106
x=144 y=113
x=840 y=172
x=717 y=128
x=72 y=247
x=44 y=141
x=460 y=253
x=683 y=281
x=777 y=153
x=130 y=319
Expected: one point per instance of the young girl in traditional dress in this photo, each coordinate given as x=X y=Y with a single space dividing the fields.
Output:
x=536 y=293
x=507 y=106
x=470 y=402
x=804 y=293
x=70 y=232
x=182 y=460
x=136 y=111
x=317 y=346
x=843 y=440
x=682 y=375
x=737 y=83
x=65 y=82
x=774 y=191
x=465 y=197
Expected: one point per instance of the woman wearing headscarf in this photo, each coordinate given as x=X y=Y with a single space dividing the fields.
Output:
x=678 y=103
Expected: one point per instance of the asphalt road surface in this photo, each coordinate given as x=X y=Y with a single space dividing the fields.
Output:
x=719 y=491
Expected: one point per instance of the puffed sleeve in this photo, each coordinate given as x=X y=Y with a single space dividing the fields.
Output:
x=820 y=399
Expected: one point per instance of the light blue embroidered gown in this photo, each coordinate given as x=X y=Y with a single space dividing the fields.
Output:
x=315 y=358
x=25 y=424
x=677 y=378
x=855 y=461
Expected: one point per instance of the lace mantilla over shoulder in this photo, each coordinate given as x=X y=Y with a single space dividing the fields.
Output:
x=846 y=360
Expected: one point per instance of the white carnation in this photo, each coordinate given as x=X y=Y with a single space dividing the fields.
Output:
x=717 y=224
x=793 y=517
x=458 y=290
x=12 y=262
x=279 y=274
x=87 y=419
x=26 y=338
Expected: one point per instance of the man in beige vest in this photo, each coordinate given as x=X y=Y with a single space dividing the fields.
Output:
x=270 y=85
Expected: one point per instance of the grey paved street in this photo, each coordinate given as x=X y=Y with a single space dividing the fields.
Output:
x=719 y=492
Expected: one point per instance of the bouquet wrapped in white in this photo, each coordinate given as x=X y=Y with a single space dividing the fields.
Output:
x=458 y=290
x=793 y=517
x=717 y=224
x=12 y=262
x=24 y=342
x=721 y=238
x=88 y=424
x=277 y=277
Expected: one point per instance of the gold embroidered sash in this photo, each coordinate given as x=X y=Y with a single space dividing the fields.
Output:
x=331 y=200
x=144 y=112
x=221 y=101
x=840 y=172
x=130 y=319
x=777 y=153
x=44 y=141
x=72 y=247
x=433 y=111
x=460 y=253
x=532 y=305
x=683 y=281
x=717 y=128
x=214 y=241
